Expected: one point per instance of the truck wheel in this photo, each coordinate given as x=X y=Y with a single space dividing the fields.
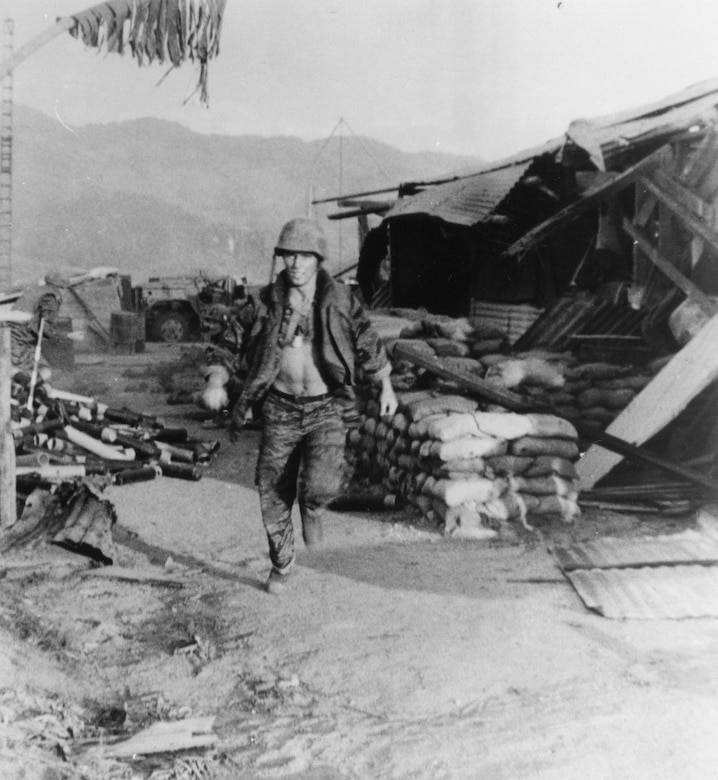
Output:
x=171 y=326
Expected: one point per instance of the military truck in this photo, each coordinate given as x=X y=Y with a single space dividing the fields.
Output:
x=174 y=306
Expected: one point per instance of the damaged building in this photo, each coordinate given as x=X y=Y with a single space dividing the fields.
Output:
x=601 y=243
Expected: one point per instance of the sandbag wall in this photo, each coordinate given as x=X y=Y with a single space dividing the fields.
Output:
x=594 y=392
x=470 y=471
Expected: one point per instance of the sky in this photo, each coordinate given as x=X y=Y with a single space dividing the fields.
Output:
x=487 y=78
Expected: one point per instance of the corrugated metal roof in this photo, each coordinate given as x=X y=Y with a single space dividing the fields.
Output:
x=466 y=201
x=607 y=139
x=610 y=552
x=576 y=315
x=649 y=593
x=551 y=148
x=513 y=319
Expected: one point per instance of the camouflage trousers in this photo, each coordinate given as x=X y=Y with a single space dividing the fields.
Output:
x=301 y=457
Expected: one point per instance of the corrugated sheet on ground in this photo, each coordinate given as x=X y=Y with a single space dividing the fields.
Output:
x=649 y=593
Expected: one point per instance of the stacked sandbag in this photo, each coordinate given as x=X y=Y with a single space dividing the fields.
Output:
x=456 y=342
x=472 y=471
x=594 y=393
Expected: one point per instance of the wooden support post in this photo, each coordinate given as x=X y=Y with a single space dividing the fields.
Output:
x=590 y=200
x=665 y=265
x=8 y=496
x=687 y=374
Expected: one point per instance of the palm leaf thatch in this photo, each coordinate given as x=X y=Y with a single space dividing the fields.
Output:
x=155 y=30
x=162 y=30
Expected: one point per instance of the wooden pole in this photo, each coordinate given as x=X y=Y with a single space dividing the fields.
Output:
x=8 y=496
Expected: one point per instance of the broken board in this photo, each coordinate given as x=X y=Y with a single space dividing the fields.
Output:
x=166 y=737
x=681 y=379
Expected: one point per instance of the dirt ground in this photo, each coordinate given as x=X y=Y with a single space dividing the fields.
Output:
x=396 y=654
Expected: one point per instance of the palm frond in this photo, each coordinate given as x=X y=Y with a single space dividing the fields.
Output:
x=161 y=30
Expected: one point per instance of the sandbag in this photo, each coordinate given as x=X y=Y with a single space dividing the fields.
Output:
x=599 y=414
x=455 y=492
x=503 y=425
x=448 y=348
x=493 y=359
x=442 y=473
x=532 y=445
x=634 y=382
x=550 y=426
x=417 y=345
x=470 y=465
x=418 y=429
x=462 y=522
x=609 y=399
x=544 y=486
x=468 y=447
x=438 y=404
x=400 y=422
x=566 y=509
x=487 y=346
x=453 y=426
x=544 y=465
x=508 y=464
x=530 y=371
x=597 y=371
x=457 y=329
x=466 y=364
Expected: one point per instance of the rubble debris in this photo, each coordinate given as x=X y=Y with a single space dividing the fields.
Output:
x=68 y=448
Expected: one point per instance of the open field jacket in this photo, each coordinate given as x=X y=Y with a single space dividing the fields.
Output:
x=346 y=341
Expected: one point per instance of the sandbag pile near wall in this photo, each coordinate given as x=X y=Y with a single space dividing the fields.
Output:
x=471 y=471
x=593 y=392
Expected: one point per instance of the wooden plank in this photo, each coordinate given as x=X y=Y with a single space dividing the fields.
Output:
x=8 y=494
x=679 y=382
x=693 y=223
x=166 y=737
x=134 y=575
x=703 y=161
x=95 y=323
x=689 y=199
x=669 y=269
x=588 y=201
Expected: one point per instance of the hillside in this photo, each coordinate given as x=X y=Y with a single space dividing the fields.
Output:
x=152 y=197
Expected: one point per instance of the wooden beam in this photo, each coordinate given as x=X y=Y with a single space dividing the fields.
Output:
x=703 y=162
x=671 y=390
x=588 y=201
x=516 y=403
x=686 y=216
x=682 y=194
x=8 y=495
x=669 y=269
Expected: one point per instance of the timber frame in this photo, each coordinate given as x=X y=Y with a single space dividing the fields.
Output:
x=673 y=227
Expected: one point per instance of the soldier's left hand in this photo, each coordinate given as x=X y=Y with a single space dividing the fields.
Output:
x=387 y=400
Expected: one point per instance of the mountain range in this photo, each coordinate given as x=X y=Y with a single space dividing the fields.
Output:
x=153 y=198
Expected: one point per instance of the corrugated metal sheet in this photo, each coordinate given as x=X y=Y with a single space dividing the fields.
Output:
x=607 y=139
x=608 y=552
x=550 y=148
x=580 y=315
x=466 y=201
x=649 y=593
x=513 y=319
